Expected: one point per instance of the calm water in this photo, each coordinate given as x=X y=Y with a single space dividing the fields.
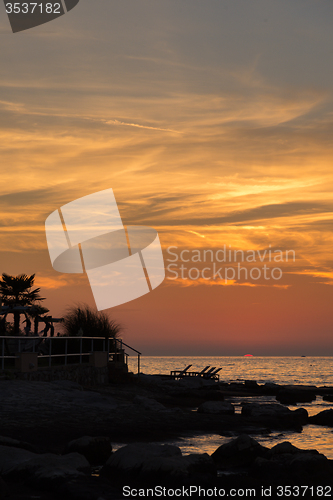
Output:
x=281 y=370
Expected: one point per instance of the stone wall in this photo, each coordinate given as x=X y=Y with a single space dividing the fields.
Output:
x=82 y=374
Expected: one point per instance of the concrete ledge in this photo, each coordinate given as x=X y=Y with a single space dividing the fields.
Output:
x=26 y=362
x=98 y=359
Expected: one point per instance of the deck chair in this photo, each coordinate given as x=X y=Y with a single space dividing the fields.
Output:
x=207 y=374
x=203 y=371
x=184 y=371
x=179 y=373
x=214 y=374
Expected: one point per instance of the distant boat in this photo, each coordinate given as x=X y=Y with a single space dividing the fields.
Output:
x=303 y=356
x=248 y=355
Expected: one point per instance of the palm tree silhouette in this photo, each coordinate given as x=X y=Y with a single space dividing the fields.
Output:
x=16 y=291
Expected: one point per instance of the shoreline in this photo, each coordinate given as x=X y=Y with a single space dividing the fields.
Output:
x=45 y=416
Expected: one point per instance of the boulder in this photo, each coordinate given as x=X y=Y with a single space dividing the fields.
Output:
x=264 y=410
x=4 y=489
x=271 y=470
x=328 y=397
x=301 y=415
x=198 y=395
x=211 y=394
x=43 y=470
x=239 y=452
x=287 y=448
x=15 y=443
x=216 y=407
x=13 y=457
x=195 y=382
x=271 y=388
x=88 y=488
x=294 y=396
x=286 y=463
x=306 y=467
x=324 y=417
x=50 y=471
x=96 y=449
x=148 y=403
x=251 y=384
x=156 y=462
x=275 y=413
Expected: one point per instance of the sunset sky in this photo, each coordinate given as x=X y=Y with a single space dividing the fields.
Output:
x=212 y=121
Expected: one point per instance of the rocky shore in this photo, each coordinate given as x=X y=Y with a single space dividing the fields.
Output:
x=56 y=437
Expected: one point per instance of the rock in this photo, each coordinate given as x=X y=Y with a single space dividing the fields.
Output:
x=287 y=448
x=43 y=470
x=195 y=382
x=306 y=467
x=96 y=449
x=4 y=489
x=13 y=457
x=88 y=488
x=268 y=469
x=251 y=384
x=239 y=452
x=285 y=463
x=156 y=462
x=51 y=470
x=198 y=395
x=301 y=415
x=275 y=413
x=325 y=417
x=213 y=395
x=271 y=388
x=148 y=403
x=217 y=407
x=328 y=397
x=264 y=410
x=7 y=441
x=294 y=396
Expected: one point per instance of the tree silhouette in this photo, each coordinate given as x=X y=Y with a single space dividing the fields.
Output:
x=16 y=291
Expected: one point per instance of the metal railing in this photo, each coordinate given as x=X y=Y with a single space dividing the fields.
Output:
x=75 y=349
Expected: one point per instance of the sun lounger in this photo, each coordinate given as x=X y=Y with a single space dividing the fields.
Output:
x=209 y=371
x=212 y=374
x=180 y=373
x=203 y=371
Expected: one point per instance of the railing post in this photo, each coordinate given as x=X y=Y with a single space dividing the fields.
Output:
x=3 y=354
x=50 y=353
x=138 y=365
x=80 y=350
x=66 y=351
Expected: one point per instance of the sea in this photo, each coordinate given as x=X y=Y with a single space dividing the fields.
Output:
x=291 y=370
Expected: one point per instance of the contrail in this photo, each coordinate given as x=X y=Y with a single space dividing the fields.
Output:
x=117 y=122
